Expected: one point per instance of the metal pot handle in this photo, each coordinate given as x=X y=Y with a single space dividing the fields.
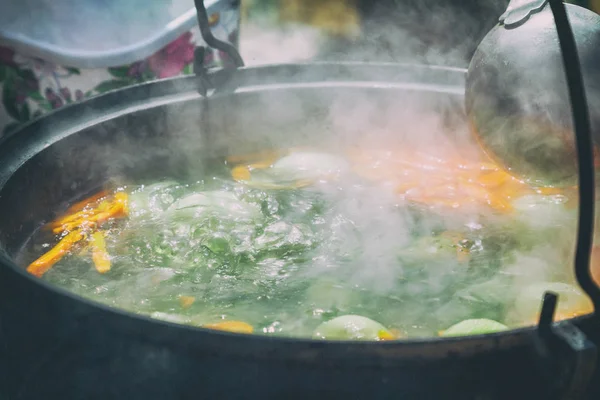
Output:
x=557 y=342
x=585 y=156
x=211 y=40
x=199 y=67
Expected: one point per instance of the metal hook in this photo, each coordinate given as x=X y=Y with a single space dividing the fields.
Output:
x=212 y=41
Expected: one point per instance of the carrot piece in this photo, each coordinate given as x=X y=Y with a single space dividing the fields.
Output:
x=80 y=210
x=548 y=191
x=493 y=179
x=499 y=204
x=240 y=173
x=70 y=219
x=87 y=202
x=105 y=211
x=70 y=222
x=40 y=266
x=122 y=199
x=385 y=335
x=99 y=254
x=117 y=210
x=231 y=326
x=484 y=196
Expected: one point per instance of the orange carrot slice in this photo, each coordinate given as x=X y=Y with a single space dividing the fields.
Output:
x=40 y=266
x=493 y=179
x=240 y=173
x=87 y=202
x=118 y=208
x=231 y=326
x=385 y=335
x=70 y=222
x=99 y=254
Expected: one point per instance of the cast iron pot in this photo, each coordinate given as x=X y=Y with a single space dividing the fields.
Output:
x=55 y=345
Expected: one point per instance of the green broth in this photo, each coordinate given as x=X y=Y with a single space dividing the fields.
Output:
x=287 y=260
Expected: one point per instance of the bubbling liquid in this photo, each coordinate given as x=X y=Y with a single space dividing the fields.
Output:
x=364 y=244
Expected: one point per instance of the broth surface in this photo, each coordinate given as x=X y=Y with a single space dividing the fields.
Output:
x=282 y=242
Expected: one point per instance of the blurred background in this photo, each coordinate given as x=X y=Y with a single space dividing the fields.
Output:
x=55 y=52
x=434 y=31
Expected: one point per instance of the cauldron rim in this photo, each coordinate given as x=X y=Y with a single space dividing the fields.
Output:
x=17 y=148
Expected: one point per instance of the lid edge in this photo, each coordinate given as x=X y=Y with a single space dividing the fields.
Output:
x=111 y=58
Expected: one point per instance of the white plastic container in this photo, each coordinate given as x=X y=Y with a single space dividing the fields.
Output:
x=54 y=52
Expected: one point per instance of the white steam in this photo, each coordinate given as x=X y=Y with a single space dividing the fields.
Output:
x=370 y=223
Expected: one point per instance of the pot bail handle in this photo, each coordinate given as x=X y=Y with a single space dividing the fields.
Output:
x=211 y=40
x=519 y=11
x=585 y=152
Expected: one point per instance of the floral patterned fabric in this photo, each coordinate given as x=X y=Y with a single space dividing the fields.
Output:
x=30 y=87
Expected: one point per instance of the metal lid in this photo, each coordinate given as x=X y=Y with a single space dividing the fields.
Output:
x=97 y=34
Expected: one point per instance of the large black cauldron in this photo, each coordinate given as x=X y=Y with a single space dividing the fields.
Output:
x=54 y=345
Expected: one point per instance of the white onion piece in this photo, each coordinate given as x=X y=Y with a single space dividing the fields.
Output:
x=220 y=203
x=350 y=327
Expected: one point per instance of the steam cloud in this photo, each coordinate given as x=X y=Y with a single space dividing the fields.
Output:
x=421 y=121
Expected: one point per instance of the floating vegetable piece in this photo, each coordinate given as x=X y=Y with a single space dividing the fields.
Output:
x=264 y=179
x=40 y=266
x=474 y=327
x=81 y=209
x=89 y=202
x=296 y=170
x=451 y=183
x=352 y=327
x=494 y=178
x=80 y=220
x=310 y=166
x=122 y=200
x=186 y=301
x=99 y=254
x=541 y=211
x=172 y=318
x=222 y=203
x=231 y=326
x=106 y=210
x=71 y=221
x=241 y=173
x=386 y=335
x=115 y=210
